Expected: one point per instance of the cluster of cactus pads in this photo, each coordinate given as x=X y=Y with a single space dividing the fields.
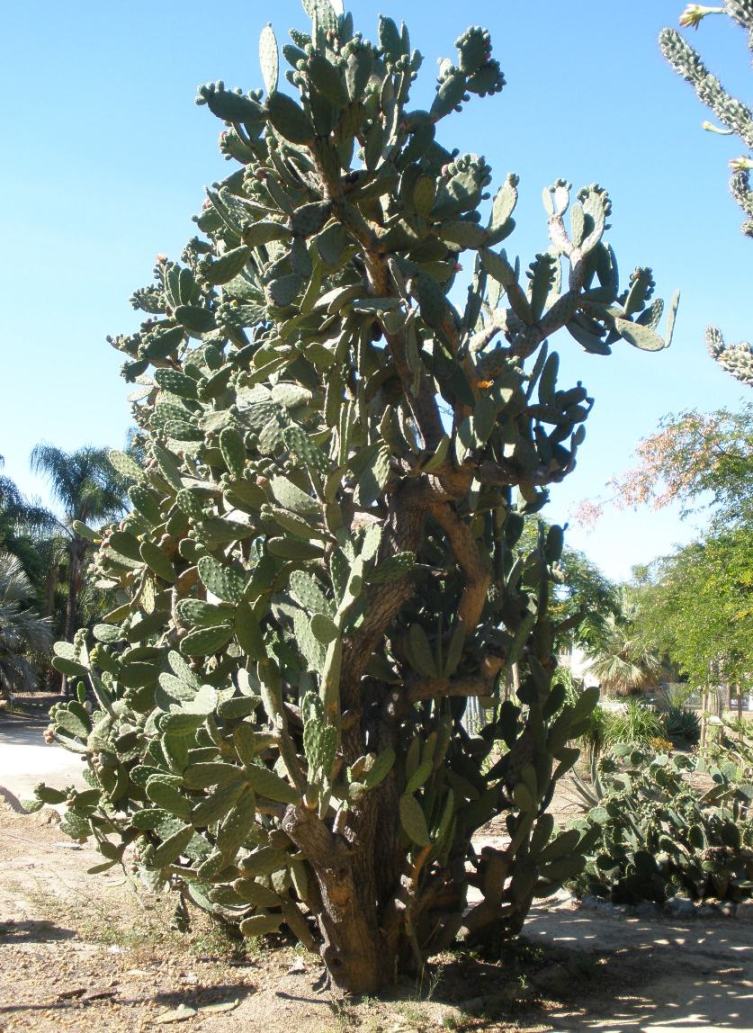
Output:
x=321 y=567
x=652 y=834
x=736 y=119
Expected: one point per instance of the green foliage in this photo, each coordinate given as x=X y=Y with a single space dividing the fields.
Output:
x=622 y=653
x=280 y=722
x=652 y=835
x=24 y=530
x=89 y=486
x=636 y=725
x=25 y=637
x=695 y=606
x=682 y=727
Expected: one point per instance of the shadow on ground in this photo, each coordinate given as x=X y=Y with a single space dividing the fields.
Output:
x=33 y=931
x=625 y=974
x=77 y=997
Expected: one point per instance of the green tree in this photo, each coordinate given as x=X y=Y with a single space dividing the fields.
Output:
x=23 y=525
x=697 y=607
x=693 y=605
x=582 y=597
x=25 y=637
x=583 y=601
x=89 y=492
x=322 y=563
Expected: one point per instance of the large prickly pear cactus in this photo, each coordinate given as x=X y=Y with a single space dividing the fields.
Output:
x=321 y=567
x=736 y=119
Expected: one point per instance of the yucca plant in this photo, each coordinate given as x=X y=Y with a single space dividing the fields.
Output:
x=322 y=566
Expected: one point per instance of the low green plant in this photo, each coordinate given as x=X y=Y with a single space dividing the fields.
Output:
x=652 y=834
x=675 y=694
x=636 y=725
x=682 y=727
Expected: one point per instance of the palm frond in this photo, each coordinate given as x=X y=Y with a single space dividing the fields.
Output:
x=24 y=635
x=83 y=483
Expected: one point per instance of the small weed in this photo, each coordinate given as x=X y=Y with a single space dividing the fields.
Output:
x=428 y=983
x=344 y=1018
x=411 y=1011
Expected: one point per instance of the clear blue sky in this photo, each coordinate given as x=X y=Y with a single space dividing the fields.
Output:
x=105 y=157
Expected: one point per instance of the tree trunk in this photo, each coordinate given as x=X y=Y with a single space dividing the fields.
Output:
x=354 y=950
x=515 y=679
x=50 y=584
x=705 y=715
x=76 y=553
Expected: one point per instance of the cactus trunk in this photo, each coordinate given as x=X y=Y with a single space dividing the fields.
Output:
x=353 y=947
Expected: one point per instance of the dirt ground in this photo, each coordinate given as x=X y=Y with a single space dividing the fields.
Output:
x=87 y=953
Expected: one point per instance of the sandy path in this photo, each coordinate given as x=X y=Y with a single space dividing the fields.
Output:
x=25 y=759
x=666 y=976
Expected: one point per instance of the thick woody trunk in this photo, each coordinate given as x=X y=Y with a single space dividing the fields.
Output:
x=354 y=949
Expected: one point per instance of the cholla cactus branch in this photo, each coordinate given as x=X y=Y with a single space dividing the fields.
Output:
x=738 y=120
x=736 y=359
x=742 y=192
x=731 y=112
x=740 y=11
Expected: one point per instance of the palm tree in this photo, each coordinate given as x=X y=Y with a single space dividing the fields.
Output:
x=23 y=525
x=89 y=491
x=620 y=657
x=24 y=635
